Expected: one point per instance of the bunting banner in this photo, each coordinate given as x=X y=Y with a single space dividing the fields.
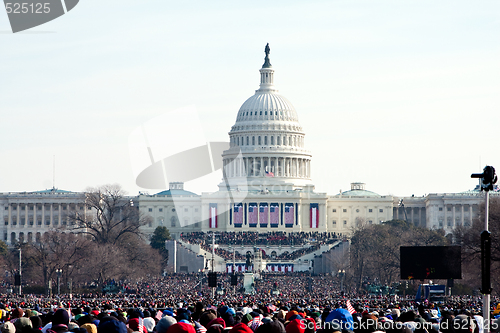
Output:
x=274 y=215
x=238 y=215
x=279 y=267
x=238 y=267
x=263 y=214
x=289 y=215
x=314 y=212
x=252 y=214
x=213 y=215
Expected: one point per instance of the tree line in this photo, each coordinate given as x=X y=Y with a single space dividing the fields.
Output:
x=375 y=256
x=104 y=244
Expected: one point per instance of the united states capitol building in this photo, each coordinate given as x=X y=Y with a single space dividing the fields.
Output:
x=267 y=187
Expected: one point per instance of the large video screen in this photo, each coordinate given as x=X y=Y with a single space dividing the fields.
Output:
x=431 y=262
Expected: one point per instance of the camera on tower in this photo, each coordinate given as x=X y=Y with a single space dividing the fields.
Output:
x=488 y=178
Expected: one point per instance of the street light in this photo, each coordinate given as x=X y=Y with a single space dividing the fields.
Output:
x=70 y=267
x=341 y=275
x=59 y=273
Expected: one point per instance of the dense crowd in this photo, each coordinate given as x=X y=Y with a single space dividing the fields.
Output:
x=307 y=241
x=286 y=255
x=259 y=239
x=292 y=303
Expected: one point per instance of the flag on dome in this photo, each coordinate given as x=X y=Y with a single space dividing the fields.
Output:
x=269 y=174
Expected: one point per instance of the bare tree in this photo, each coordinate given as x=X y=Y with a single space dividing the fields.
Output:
x=375 y=249
x=111 y=215
x=57 y=250
x=470 y=240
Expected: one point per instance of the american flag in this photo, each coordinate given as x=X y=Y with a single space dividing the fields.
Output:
x=274 y=214
x=263 y=215
x=269 y=174
x=289 y=215
x=159 y=315
x=349 y=307
x=141 y=325
x=252 y=215
x=238 y=214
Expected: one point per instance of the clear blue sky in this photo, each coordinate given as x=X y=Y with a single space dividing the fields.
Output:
x=401 y=95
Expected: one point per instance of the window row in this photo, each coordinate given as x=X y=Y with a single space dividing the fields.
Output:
x=286 y=140
x=186 y=210
x=370 y=210
x=264 y=113
x=39 y=207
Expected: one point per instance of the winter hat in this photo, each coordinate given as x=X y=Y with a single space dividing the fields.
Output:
x=183 y=314
x=274 y=326
x=181 y=328
x=240 y=328
x=36 y=322
x=247 y=318
x=310 y=324
x=23 y=325
x=149 y=323
x=165 y=323
x=341 y=317
x=295 y=326
x=217 y=321
x=207 y=317
x=8 y=327
x=61 y=317
x=133 y=323
x=112 y=326
x=91 y=328
x=72 y=326
x=290 y=314
x=17 y=313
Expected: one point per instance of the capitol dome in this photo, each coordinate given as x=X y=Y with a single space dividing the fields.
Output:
x=267 y=140
x=266 y=106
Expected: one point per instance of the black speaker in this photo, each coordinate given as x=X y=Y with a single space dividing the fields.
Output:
x=17 y=279
x=212 y=279
x=234 y=280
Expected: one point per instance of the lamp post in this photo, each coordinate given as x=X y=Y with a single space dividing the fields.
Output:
x=20 y=274
x=59 y=273
x=341 y=275
x=70 y=267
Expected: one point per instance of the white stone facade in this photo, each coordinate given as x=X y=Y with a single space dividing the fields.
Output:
x=26 y=216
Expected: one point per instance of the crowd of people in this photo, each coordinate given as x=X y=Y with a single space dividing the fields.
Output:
x=306 y=241
x=292 y=303
x=260 y=239
x=286 y=255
